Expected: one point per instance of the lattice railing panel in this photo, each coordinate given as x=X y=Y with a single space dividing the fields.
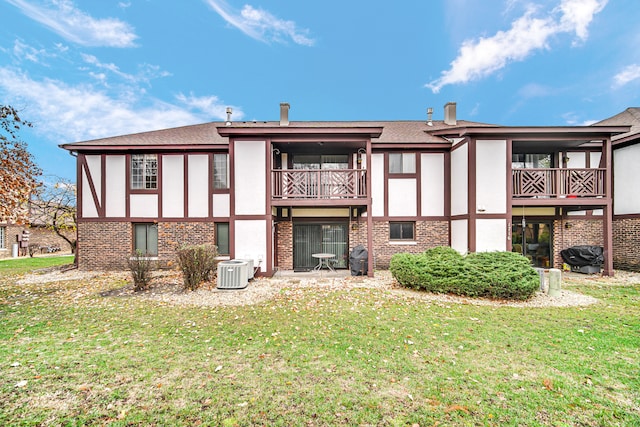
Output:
x=309 y=184
x=558 y=182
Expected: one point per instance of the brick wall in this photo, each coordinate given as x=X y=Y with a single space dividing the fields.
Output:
x=429 y=234
x=284 y=249
x=108 y=245
x=37 y=236
x=104 y=245
x=173 y=235
x=626 y=244
x=580 y=231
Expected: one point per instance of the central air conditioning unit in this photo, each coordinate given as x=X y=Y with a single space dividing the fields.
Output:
x=233 y=274
x=251 y=269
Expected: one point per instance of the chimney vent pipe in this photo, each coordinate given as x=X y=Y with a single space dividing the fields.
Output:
x=284 y=114
x=429 y=116
x=229 y=112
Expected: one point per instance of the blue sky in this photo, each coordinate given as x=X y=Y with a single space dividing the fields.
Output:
x=81 y=69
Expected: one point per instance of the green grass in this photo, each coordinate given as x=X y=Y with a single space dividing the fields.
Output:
x=27 y=264
x=314 y=357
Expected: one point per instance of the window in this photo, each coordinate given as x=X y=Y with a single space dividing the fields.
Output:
x=402 y=163
x=220 y=171
x=401 y=230
x=144 y=171
x=522 y=161
x=222 y=238
x=3 y=237
x=145 y=239
x=317 y=161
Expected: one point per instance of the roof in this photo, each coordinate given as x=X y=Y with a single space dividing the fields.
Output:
x=629 y=117
x=385 y=134
x=207 y=135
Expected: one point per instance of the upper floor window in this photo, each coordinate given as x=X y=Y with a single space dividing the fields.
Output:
x=402 y=162
x=144 y=171
x=528 y=161
x=220 y=171
x=321 y=161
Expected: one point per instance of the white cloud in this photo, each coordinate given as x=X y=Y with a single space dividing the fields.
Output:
x=74 y=25
x=482 y=57
x=578 y=14
x=65 y=113
x=261 y=25
x=210 y=105
x=145 y=73
x=23 y=51
x=626 y=75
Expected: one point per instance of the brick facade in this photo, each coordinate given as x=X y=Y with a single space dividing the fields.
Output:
x=108 y=245
x=284 y=245
x=104 y=245
x=626 y=241
x=574 y=231
x=38 y=236
x=429 y=234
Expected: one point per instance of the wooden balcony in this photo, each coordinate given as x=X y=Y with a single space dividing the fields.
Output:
x=558 y=183
x=319 y=186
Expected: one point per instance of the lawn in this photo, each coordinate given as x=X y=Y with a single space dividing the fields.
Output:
x=316 y=357
x=25 y=265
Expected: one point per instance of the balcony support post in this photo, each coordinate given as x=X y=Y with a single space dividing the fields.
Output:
x=607 y=217
x=369 y=215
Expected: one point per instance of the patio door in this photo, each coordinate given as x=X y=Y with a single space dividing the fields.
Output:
x=312 y=238
x=533 y=240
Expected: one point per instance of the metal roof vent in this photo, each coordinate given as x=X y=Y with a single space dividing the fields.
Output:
x=429 y=116
x=229 y=112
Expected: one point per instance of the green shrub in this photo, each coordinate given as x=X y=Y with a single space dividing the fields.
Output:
x=487 y=274
x=198 y=264
x=140 y=264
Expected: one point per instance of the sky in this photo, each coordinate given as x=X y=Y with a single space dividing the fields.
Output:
x=86 y=69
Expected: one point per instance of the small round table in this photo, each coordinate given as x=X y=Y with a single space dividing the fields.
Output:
x=323 y=261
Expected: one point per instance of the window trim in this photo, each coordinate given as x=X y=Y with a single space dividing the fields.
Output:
x=144 y=188
x=403 y=174
x=213 y=174
x=401 y=238
x=148 y=254
x=216 y=225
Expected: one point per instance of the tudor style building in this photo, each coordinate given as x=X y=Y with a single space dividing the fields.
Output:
x=279 y=192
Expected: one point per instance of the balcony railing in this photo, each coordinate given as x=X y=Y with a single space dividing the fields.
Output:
x=541 y=183
x=319 y=183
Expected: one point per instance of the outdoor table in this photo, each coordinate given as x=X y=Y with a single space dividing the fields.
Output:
x=323 y=260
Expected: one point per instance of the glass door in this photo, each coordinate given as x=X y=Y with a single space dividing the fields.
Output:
x=533 y=240
x=309 y=239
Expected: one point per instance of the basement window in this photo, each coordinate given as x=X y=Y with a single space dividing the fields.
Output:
x=402 y=230
x=145 y=239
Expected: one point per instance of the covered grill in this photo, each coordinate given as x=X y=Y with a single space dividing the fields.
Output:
x=584 y=259
x=358 y=261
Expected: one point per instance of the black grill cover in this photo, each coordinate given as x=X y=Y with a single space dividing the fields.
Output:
x=580 y=256
x=358 y=260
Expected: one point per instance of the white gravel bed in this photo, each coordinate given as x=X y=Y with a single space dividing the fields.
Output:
x=167 y=288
